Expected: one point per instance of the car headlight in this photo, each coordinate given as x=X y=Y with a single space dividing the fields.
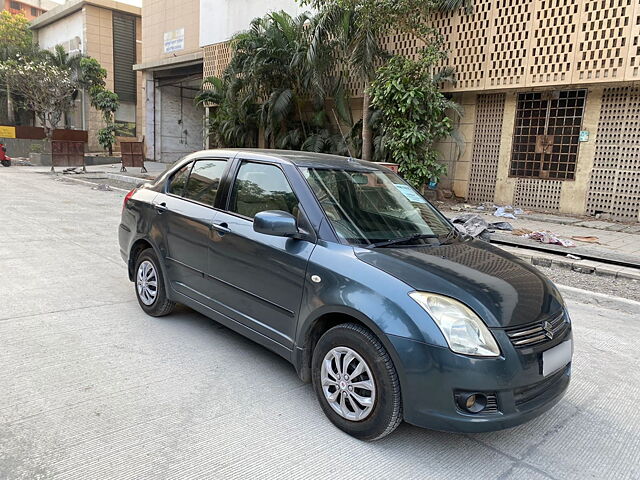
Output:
x=464 y=331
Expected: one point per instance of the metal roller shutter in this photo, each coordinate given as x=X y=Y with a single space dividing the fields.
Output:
x=124 y=55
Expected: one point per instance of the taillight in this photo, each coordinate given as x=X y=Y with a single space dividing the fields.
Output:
x=127 y=198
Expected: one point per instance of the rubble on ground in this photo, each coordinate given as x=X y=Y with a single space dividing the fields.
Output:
x=506 y=211
x=549 y=238
x=586 y=239
x=103 y=187
x=76 y=170
x=474 y=225
x=21 y=162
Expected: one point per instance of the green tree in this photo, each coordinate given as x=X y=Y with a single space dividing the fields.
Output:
x=44 y=89
x=356 y=44
x=107 y=102
x=414 y=114
x=274 y=82
x=16 y=40
x=92 y=75
x=359 y=25
x=71 y=63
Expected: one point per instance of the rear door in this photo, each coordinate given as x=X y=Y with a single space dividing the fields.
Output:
x=184 y=215
x=254 y=278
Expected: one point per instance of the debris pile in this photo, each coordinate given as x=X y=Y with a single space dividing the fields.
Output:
x=586 y=239
x=474 y=225
x=21 y=162
x=76 y=170
x=506 y=211
x=103 y=187
x=549 y=238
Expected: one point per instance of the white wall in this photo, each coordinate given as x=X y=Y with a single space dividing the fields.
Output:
x=221 y=19
x=65 y=32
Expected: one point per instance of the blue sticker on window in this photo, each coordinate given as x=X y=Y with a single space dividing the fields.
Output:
x=409 y=193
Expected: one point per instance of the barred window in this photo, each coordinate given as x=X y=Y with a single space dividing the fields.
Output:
x=547 y=134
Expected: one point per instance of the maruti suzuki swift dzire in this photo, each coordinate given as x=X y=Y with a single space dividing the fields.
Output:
x=342 y=268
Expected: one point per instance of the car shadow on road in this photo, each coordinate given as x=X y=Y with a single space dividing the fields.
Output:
x=501 y=450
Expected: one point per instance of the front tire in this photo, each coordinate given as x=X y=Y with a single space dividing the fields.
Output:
x=6 y=163
x=356 y=382
x=149 y=285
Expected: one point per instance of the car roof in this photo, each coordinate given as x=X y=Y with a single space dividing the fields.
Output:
x=300 y=159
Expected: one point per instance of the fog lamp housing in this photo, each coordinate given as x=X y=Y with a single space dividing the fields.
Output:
x=471 y=402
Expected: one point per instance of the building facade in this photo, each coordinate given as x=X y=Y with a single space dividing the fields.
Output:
x=31 y=9
x=183 y=41
x=551 y=104
x=171 y=69
x=110 y=32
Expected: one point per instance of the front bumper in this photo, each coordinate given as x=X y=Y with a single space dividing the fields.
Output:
x=430 y=377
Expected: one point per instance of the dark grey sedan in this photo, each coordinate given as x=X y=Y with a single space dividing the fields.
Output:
x=342 y=268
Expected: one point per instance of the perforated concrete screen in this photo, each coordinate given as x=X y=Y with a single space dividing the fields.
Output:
x=526 y=43
x=510 y=42
x=538 y=194
x=486 y=147
x=216 y=59
x=615 y=179
x=546 y=134
x=603 y=40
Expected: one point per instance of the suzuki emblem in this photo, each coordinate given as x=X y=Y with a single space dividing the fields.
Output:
x=548 y=329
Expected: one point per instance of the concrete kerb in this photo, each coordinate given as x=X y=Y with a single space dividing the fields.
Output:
x=600 y=299
x=581 y=266
x=91 y=184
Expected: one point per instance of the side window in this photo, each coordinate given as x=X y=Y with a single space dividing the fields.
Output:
x=259 y=187
x=204 y=181
x=179 y=180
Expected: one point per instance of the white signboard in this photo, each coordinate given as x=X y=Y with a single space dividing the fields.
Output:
x=174 y=41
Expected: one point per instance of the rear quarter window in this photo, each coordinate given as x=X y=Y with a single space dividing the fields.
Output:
x=178 y=180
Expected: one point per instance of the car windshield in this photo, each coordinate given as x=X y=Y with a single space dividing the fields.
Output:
x=375 y=208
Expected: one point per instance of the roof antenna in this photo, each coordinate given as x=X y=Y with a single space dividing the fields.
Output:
x=344 y=139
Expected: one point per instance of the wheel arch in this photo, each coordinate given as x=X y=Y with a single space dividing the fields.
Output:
x=324 y=319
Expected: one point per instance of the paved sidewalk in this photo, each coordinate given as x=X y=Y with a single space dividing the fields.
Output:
x=610 y=243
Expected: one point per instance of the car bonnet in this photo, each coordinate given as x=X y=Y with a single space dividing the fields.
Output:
x=503 y=290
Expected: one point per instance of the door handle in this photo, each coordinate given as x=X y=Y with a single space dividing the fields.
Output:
x=221 y=227
x=160 y=207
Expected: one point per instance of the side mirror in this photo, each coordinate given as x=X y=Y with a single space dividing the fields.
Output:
x=276 y=223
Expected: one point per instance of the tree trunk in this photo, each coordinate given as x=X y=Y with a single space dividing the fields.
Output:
x=11 y=118
x=367 y=134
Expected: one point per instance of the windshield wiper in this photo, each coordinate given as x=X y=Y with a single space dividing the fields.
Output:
x=396 y=241
x=449 y=236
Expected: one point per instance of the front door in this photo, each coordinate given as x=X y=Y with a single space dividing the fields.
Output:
x=254 y=278
x=185 y=215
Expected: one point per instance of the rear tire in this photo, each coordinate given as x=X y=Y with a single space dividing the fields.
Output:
x=6 y=163
x=149 y=285
x=356 y=382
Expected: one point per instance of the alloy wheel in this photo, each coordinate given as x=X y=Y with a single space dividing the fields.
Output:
x=348 y=384
x=147 y=283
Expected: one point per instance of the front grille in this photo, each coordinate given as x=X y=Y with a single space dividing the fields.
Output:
x=539 y=332
x=528 y=393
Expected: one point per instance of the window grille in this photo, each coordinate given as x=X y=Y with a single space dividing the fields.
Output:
x=546 y=135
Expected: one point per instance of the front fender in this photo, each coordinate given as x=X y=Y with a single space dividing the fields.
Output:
x=352 y=287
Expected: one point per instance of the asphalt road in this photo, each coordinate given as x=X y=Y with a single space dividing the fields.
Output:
x=91 y=387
